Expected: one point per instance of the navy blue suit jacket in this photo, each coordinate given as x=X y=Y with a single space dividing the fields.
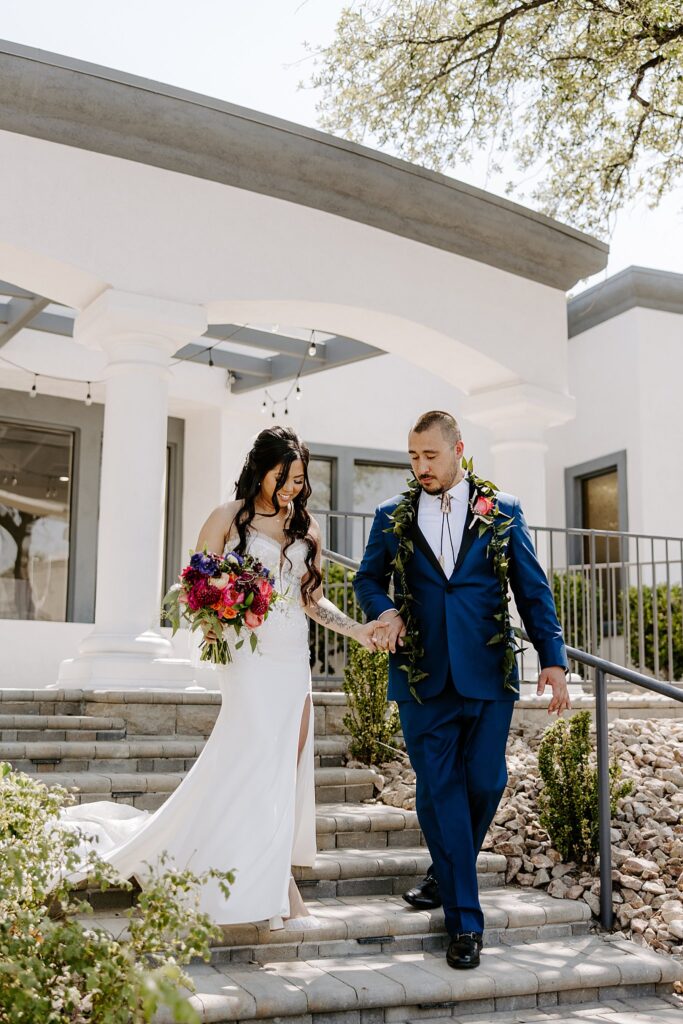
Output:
x=456 y=616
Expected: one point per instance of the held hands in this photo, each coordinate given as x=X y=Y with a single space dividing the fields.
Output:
x=371 y=635
x=391 y=638
x=555 y=678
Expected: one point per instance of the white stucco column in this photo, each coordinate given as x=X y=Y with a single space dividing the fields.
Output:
x=517 y=417
x=139 y=334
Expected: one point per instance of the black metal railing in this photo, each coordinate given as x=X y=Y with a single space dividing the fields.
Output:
x=601 y=669
x=618 y=595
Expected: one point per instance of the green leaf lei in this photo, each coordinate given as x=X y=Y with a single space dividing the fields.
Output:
x=489 y=517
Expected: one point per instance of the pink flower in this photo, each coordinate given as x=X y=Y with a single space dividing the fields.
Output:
x=483 y=506
x=251 y=620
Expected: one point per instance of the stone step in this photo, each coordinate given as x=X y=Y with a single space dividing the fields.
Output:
x=363 y=872
x=405 y=986
x=353 y=926
x=156 y=711
x=369 y=826
x=24 y=728
x=148 y=790
x=136 y=755
x=72 y=739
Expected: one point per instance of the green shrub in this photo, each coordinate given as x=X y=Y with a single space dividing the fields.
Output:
x=665 y=670
x=54 y=967
x=569 y=799
x=371 y=722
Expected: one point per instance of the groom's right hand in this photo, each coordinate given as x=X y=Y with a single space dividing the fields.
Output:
x=393 y=637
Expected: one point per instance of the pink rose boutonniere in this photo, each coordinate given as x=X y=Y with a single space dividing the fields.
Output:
x=482 y=507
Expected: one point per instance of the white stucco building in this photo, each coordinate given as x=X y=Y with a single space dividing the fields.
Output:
x=168 y=261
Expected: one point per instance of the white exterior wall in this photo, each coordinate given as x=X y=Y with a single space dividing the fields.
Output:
x=625 y=374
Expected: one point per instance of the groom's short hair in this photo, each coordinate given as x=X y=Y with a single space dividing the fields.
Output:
x=436 y=418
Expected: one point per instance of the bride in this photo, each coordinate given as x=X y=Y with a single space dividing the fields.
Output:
x=248 y=804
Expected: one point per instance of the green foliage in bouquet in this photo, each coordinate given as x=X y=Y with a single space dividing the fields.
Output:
x=569 y=799
x=371 y=722
x=57 y=969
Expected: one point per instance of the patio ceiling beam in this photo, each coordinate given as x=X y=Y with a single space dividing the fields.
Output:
x=256 y=368
x=19 y=313
x=270 y=341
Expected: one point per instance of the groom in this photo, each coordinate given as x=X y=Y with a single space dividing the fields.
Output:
x=456 y=731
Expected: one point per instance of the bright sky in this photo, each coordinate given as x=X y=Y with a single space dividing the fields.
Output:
x=251 y=52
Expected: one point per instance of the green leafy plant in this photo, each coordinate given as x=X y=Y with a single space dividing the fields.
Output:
x=666 y=670
x=569 y=799
x=371 y=721
x=55 y=968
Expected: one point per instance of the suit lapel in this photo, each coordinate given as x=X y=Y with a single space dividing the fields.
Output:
x=420 y=542
x=469 y=534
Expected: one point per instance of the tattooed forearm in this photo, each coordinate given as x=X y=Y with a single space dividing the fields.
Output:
x=328 y=615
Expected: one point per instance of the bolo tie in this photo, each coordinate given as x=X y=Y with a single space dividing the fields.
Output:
x=446 y=524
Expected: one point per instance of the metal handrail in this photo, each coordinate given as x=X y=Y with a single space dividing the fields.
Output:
x=603 y=668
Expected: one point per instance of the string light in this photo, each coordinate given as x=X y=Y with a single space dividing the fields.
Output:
x=211 y=363
x=299 y=392
x=264 y=407
x=34 y=390
x=312 y=348
x=231 y=380
x=88 y=397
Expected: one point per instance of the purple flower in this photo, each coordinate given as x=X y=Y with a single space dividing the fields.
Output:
x=233 y=556
x=207 y=565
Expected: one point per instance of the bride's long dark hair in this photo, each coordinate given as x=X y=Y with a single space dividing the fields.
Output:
x=278 y=446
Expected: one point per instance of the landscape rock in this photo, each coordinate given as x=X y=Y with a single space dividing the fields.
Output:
x=646 y=832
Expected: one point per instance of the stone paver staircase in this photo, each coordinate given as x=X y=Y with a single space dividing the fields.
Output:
x=372 y=959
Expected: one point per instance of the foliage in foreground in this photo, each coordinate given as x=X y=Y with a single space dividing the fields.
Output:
x=592 y=90
x=54 y=968
x=371 y=722
x=568 y=801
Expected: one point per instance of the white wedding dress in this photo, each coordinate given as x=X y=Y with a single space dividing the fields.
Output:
x=247 y=804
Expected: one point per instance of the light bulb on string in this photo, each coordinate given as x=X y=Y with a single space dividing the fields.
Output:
x=14 y=480
x=34 y=390
x=210 y=357
x=88 y=397
x=232 y=380
x=264 y=407
x=312 y=348
x=299 y=392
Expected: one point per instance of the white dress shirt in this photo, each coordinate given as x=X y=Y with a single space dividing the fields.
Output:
x=435 y=524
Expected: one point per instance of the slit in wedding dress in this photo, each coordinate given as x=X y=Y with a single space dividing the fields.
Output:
x=296 y=921
x=304 y=726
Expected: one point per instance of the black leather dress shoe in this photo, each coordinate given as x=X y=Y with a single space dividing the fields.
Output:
x=424 y=896
x=463 y=951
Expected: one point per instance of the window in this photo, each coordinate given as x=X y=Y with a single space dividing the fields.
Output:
x=320 y=475
x=36 y=466
x=597 y=500
x=374 y=483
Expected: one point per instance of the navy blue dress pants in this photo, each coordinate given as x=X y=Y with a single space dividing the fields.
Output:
x=457 y=748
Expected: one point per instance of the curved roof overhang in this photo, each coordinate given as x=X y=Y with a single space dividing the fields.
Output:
x=67 y=101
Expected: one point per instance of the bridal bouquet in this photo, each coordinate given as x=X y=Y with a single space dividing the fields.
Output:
x=217 y=592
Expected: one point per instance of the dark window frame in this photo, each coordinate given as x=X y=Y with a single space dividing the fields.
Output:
x=86 y=424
